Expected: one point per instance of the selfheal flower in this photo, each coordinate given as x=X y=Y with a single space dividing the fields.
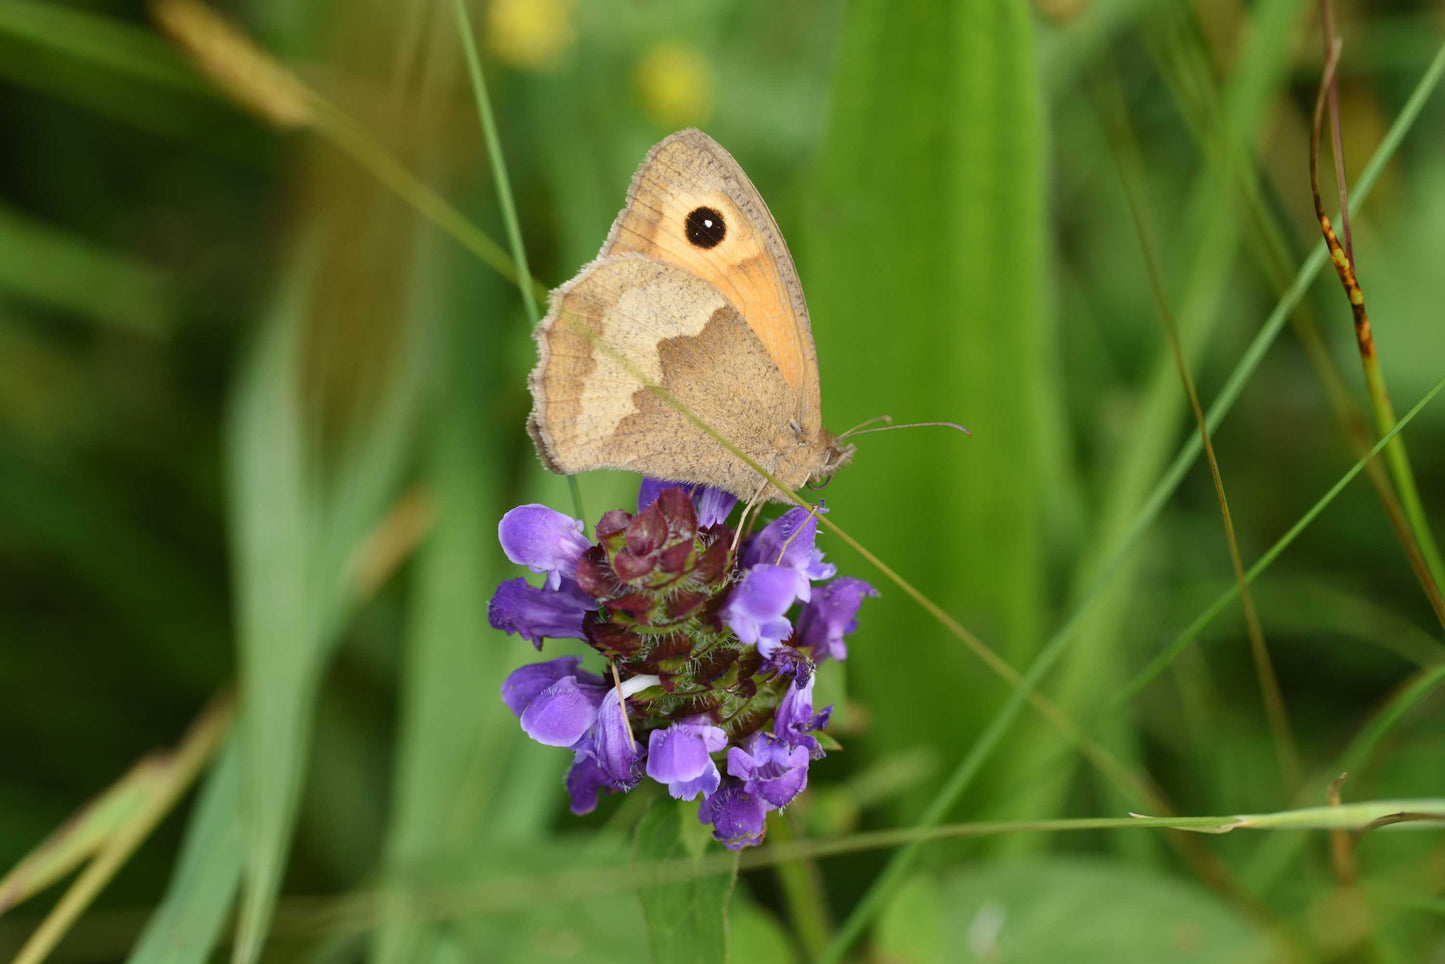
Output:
x=770 y=769
x=712 y=505
x=738 y=819
x=538 y=614
x=705 y=658
x=789 y=541
x=755 y=609
x=679 y=757
x=543 y=540
x=795 y=720
x=830 y=615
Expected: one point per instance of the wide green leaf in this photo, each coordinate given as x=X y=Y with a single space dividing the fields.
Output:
x=686 y=919
x=1080 y=910
x=924 y=264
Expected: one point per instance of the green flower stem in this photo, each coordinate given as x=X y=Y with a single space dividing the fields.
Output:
x=521 y=273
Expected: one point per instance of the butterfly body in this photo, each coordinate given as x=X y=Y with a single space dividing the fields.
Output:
x=691 y=313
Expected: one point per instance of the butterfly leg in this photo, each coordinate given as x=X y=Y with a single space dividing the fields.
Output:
x=755 y=502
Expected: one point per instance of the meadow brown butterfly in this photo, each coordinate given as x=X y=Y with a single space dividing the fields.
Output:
x=693 y=292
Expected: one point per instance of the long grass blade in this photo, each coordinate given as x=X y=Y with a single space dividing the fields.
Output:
x=504 y=193
x=1125 y=148
x=1344 y=262
x=180 y=771
x=189 y=921
x=1166 y=656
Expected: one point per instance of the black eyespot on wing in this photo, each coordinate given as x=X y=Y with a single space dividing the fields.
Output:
x=705 y=227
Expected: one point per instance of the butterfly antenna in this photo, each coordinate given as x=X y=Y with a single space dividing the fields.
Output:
x=889 y=428
x=887 y=419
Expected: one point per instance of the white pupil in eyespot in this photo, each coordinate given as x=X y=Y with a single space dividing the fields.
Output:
x=707 y=223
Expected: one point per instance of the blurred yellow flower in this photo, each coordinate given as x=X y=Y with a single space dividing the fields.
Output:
x=530 y=33
x=675 y=84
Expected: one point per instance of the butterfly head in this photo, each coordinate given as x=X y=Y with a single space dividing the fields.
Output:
x=835 y=455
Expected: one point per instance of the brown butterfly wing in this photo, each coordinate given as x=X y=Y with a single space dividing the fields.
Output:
x=685 y=182
x=627 y=326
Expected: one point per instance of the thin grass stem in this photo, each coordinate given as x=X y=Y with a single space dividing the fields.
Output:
x=1184 y=70
x=1157 y=665
x=1124 y=147
x=1396 y=455
x=505 y=199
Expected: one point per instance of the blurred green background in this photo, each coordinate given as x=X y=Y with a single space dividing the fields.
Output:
x=258 y=420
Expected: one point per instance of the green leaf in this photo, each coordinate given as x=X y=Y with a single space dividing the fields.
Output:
x=275 y=530
x=924 y=265
x=188 y=922
x=686 y=919
x=1072 y=909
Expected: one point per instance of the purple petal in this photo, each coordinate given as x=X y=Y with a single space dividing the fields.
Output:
x=770 y=769
x=538 y=614
x=738 y=819
x=527 y=681
x=612 y=746
x=679 y=757
x=543 y=540
x=795 y=721
x=756 y=606
x=584 y=781
x=789 y=541
x=830 y=615
x=712 y=505
x=561 y=714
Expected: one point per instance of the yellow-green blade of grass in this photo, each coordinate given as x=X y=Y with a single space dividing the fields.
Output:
x=275 y=528
x=77 y=840
x=188 y=922
x=296 y=559
x=452 y=761
x=923 y=261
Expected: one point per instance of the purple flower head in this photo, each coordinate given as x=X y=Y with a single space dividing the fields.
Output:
x=527 y=681
x=679 y=757
x=537 y=614
x=757 y=606
x=543 y=540
x=699 y=637
x=830 y=615
x=789 y=541
x=712 y=505
x=562 y=713
x=795 y=721
x=770 y=768
x=738 y=819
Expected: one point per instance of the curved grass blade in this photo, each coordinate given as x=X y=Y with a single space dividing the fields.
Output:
x=1210 y=231
x=186 y=926
x=1134 y=686
x=175 y=775
x=1125 y=148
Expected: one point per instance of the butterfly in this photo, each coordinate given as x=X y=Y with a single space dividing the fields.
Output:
x=692 y=311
